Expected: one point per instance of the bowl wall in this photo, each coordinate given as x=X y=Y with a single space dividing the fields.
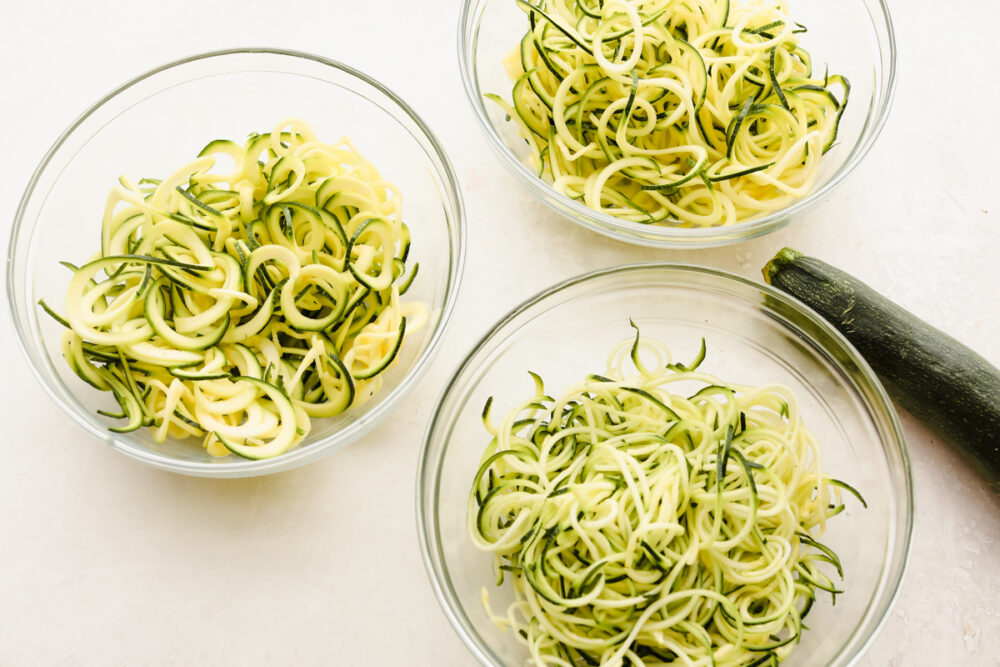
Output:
x=754 y=335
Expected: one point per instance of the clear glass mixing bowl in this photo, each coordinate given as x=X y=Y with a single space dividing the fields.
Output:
x=855 y=37
x=159 y=121
x=754 y=335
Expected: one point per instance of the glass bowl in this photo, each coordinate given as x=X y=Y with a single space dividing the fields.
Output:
x=754 y=335
x=159 y=121
x=855 y=37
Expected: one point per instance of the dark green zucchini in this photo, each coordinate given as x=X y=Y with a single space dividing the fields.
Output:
x=950 y=388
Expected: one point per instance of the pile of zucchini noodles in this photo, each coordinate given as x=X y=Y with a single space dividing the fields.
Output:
x=655 y=517
x=254 y=288
x=690 y=114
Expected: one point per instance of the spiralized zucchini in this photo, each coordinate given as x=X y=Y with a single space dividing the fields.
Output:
x=251 y=290
x=689 y=114
x=655 y=516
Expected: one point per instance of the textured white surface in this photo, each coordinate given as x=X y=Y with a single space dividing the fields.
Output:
x=105 y=561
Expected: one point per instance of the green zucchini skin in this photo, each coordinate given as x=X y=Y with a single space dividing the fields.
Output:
x=950 y=388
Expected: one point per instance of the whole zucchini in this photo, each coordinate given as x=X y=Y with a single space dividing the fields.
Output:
x=950 y=388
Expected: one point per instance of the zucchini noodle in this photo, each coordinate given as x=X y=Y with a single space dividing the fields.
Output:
x=249 y=291
x=689 y=114
x=655 y=516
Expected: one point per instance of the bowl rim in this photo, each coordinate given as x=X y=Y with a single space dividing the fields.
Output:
x=654 y=235
x=451 y=193
x=426 y=490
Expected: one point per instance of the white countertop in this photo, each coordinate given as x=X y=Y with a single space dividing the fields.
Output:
x=106 y=561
